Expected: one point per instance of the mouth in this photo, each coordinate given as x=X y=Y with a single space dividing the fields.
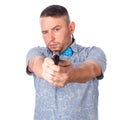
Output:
x=53 y=46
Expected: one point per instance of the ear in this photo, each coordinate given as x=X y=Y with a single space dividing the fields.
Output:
x=72 y=27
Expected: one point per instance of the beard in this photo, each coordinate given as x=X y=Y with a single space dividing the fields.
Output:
x=55 y=47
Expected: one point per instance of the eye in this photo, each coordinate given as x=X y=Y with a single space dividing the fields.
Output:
x=56 y=29
x=44 y=32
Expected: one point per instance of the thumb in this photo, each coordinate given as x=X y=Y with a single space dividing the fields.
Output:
x=49 y=61
x=65 y=63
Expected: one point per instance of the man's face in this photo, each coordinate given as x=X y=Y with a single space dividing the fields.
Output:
x=56 y=33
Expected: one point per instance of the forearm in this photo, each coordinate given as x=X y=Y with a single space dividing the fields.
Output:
x=86 y=71
x=35 y=65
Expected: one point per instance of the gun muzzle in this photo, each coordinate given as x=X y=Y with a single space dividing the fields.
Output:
x=56 y=59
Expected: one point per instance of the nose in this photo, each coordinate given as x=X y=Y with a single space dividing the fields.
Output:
x=51 y=36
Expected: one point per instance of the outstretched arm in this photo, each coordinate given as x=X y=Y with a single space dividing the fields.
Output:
x=86 y=71
x=35 y=65
x=63 y=73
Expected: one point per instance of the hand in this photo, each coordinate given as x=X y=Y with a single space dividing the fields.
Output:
x=58 y=75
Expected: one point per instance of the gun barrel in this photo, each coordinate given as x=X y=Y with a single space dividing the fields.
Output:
x=56 y=59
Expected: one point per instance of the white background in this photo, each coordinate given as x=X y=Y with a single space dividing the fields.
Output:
x=97 y=23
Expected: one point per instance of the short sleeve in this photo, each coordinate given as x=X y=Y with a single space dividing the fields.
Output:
x=98 y=54
x=36 y=51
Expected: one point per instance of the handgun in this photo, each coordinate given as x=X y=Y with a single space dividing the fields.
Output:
x=56 y=59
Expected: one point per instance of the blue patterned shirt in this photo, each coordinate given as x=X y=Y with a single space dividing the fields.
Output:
x=75 y=101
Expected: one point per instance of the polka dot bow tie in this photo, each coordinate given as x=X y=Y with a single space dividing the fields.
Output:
x=67 y=52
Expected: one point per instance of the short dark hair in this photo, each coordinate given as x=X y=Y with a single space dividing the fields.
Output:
x=55 y=11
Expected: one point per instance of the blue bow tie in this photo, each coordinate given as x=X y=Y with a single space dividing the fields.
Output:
x=67 y=52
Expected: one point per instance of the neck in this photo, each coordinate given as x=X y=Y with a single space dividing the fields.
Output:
x=71 y=41
x=58 y=52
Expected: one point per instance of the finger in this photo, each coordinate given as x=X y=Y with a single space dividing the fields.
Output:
x=52 y=80
x=49 y=61
x=47 y=76
x=50 y=71
x=58 y=83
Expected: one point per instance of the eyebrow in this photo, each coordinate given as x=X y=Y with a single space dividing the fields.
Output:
x=56 y=27
x=52 y=28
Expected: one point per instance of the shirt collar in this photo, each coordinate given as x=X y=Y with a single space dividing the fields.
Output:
x=74 y=46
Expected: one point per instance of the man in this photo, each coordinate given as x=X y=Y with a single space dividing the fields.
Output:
x=67 y=90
